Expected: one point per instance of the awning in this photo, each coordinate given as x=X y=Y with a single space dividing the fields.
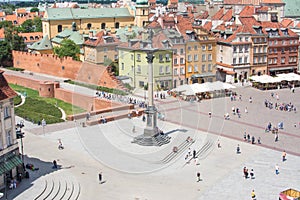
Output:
x=282 y=68
x=10 y=164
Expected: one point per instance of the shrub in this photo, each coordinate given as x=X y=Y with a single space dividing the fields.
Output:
x=17 y=100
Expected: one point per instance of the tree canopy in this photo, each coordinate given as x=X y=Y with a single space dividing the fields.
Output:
x=67 y=48
x=34 y=9
x=30 y=25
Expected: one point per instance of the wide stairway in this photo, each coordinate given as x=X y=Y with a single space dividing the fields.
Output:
x=53 y=187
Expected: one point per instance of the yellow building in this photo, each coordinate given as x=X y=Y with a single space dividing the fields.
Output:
x=55 y=20
x=141 y=13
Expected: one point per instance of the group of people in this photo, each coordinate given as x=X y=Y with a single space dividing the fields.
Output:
x=247 y=173
x=122 y=98
x=248 y=138
x=280 y=106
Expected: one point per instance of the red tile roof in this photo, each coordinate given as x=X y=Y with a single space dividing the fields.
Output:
x=154 y=24
x=21 y=11
x=208 y=25
x=262 y=9
x=183 y=25
x=2 y=14
x=203 y=15
x=152 y=1
x=228 y=15
x=247 y=11
x=5 y=91
x=218 y=15
x=287 y=22
x=224 y=65
x=99 y=39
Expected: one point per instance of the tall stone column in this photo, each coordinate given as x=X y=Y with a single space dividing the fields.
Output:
x=151 y=111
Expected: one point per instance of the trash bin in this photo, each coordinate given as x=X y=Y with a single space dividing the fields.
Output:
x=26 y=174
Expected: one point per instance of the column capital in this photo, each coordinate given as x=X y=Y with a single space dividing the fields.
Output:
x=150 y=56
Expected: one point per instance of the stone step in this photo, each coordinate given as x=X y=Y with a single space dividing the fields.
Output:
x=46 y=193
x=180 y=151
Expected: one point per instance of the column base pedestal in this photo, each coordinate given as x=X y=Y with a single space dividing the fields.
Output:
x=154 y=140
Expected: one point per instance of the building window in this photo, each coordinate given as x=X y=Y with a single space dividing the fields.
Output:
x=6 y=112
x=160 y=56
x=175 y=61
x=241 y=48
x=89 y=26
x=189 y=48
x=254 y=49
x=175 y=51
x=275 y=60
x=209 y=57
x=103 y=25
x=168 y=70
x=240 y=60
x=275 y=50
x=246 y=60
x=196 y=47
x=209 y=68
x=196 y=57
x=203 y=68
x=117 y=25
x=234 y=61
x=189 y=68
x=175 y=71
x=138 y=57
x=209 y=46
x=270 y=61
x=282 y=60
x=203 y=47
x=275 y=42
x=161 y=70
x=195 y=68
x=167 y=57
x=181 y=51
x=181 y=60
x=8 y=138
x=139 y=69
x=246 y=39
x=246 y=48
x=265 y=49
x=182 y=72
x=203 y=57
x=105 y=49
x=234 y=49
x=59 y=28
x=189 y=58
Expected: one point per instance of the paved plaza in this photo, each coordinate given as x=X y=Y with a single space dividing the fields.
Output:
x=139 y=173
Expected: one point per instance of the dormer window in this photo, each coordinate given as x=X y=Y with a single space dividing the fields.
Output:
x=89 y=26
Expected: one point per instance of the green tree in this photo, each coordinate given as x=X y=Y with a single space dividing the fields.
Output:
x=26 y=27
x=67 y=48
x=37 y=22
x=5 y=55
x=5 y=24
x=34 y=9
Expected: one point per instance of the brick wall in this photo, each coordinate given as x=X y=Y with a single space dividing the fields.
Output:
x=88 y=103
x=65 y=68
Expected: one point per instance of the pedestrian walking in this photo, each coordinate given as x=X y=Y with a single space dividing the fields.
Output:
x=258 y=140
x=198 y=177
x=253 y=196
x=252 y=174
x=283 y=156
x=54 y=164
x=133 y=129
x=253 y=140
x=248 y=137
x=245 y=171
x=245 y=136
x=219 y=144
x=189 y=152
x=100 y=177
x=276 y=169
x=209 y=114
x=246 y=110
x=194 y=153
x=276 y=137
x=238 y=150
x=250 y=100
